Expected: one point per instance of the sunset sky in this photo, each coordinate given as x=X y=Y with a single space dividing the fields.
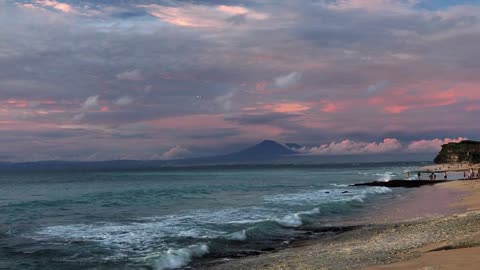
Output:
x=161 y=79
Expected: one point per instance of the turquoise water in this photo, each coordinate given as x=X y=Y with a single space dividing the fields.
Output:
x=168 y=219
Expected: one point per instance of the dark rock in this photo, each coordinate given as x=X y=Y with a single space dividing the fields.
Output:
x=401 y=183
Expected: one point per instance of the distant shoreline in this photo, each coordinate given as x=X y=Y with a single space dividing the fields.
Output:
x=142 y=166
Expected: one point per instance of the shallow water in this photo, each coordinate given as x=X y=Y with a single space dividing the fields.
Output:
x=166 y=219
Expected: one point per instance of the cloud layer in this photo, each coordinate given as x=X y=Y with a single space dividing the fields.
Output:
x=130 y=79
x=348 y=147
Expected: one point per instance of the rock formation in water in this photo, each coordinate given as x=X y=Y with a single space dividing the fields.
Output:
x=465 y=151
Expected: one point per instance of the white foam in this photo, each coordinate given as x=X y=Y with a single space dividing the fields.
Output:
x=176 y=258
x=151 y=235
x=339 y=185
x=378 y=190
x=148 y=234
x=238 y=236
x=386 y=176
x=325 y=196
x=295 y=220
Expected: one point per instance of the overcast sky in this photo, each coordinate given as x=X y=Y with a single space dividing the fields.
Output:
x=158 y=79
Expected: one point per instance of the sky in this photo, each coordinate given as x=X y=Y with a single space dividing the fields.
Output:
x=162 y=79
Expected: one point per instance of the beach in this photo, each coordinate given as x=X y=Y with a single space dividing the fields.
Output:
x=453 y=167
x=436 y=227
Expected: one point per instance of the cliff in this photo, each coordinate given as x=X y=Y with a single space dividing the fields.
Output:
x=465 y=151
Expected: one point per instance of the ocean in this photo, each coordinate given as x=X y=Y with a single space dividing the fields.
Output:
x=174 y=218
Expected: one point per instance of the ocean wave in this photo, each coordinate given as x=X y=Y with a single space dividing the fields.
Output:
x=339 y=185
x=176 y=238
x=325 y=196
x=295 y=220
x=176 y=258
x=148 y=234
x=238 y=236
x=386 y=176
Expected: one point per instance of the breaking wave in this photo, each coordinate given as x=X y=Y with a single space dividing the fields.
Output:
x=176 y=258
x=173 y=241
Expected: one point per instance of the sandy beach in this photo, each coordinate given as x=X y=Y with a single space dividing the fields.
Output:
x=454 y=167
x=437 y=227
x=459 y=253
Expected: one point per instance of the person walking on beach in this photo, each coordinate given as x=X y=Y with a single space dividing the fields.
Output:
x=445 y=177
x=434 y=177
x=419 y=174
x=464 y=175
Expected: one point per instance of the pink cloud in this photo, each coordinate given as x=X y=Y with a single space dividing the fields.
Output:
x=24 y=102
x=400 y=100
x=105 y=109
x=287 y=107
x=260 y=87
x=63 y=7
x=396 y=108
x=238 y=10
x=17 y=103
x=349 y=147
x=330 y=107
x=197 y=16
x=431 y=145
x=233 y=10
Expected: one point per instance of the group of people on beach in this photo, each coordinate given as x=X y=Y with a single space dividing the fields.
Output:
x=432 y=176
x=471 y=174
x=467 y=175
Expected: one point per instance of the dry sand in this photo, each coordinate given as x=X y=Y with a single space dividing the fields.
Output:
x=448 y=239
x=465 y=259
x=451 y=258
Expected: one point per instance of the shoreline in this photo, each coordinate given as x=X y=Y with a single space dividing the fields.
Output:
x=451 y=167
x=442 y=218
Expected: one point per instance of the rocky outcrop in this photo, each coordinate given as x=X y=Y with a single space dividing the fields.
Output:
x=465 y=151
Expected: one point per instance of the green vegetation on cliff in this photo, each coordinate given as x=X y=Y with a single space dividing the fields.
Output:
x=465 y=151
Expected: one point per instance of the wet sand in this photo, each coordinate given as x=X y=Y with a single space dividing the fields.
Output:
x=431 y=228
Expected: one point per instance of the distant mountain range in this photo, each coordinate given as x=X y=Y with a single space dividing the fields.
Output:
x=267 y=152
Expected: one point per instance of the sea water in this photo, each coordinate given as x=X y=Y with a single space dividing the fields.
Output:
x=169 y=218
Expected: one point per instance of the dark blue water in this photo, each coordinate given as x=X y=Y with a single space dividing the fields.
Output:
x=166 y=219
